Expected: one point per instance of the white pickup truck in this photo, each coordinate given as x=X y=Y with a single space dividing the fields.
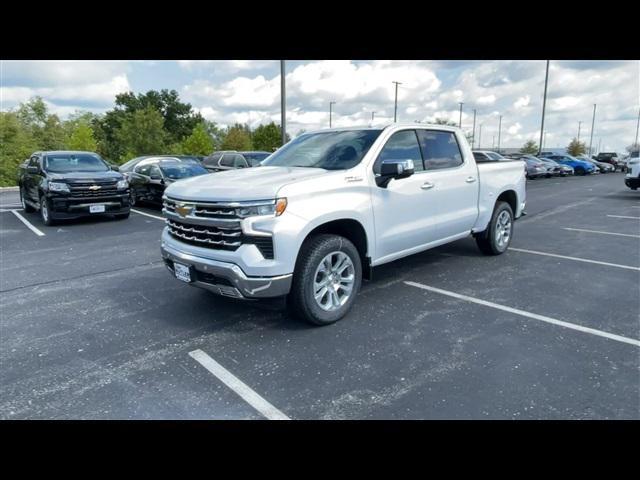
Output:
x=314 y=219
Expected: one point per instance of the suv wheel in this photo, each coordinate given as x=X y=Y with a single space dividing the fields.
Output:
x=326 y=280
x=497 y=237
x=25 y=206
x=45 y=211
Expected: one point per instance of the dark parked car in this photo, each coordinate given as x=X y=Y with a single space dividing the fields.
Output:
x=610 y=157
x=70 y=184
x=151 y=176
x=130 y=165
x=603 y=167
x=231 y=159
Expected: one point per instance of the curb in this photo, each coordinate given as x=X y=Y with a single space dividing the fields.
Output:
x=8 y=189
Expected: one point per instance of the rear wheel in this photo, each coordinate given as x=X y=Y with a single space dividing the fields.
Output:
x=579 y=171
x=326 y=280
x=497 y=237
x=45 y=211
x=25 y=206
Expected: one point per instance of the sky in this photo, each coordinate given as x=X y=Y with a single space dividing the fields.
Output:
x=248 y=91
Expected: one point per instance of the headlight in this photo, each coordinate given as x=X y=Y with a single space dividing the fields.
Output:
x=277 y=208
x=58 y=187
x=122 y=184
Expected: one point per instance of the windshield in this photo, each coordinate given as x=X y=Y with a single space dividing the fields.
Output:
x=328 y=150
x=254 y=159
x=72 y=162
x=177 y=171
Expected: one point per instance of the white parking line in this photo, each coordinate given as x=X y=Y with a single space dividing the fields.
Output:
x=26 y=222
x=623 y=216
x=147 y=214
x=235 y=384
x=535 y=316
x=628 y=267
x=603 y=233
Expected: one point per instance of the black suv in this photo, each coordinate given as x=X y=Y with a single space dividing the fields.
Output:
x=609 y=157
x=70 y=184
x=231 y=159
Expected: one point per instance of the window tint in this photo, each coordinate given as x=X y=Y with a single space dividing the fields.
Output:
x=227 y=160
x=401 y=146
x=480 y=157
x=155 y=171
x=212 y=161
x=143 y=169
x=440 y=149
x=239 y=162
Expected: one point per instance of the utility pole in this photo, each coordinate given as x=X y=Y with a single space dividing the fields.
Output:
x=372 y=114
x=637 y=128
x=493 y=142
x=593 y=122
x=579 y=125
x=544 y=105
x=395 y=108
x=499 y=132
x=283 y=104
x=460 y=121
x=331 y=104
x=480 y=137
x=473 y=135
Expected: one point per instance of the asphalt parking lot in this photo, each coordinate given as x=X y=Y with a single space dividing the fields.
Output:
x=94 y=327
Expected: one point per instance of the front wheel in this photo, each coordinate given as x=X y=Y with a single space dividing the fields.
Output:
x=45 y=211
x=497 y=237
x=25 y=206
x=326 y=279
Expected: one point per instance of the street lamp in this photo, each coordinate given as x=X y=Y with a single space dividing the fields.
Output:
x=499 y=132
x=372 y=114
x=544 y=104
x=593 y=121
x=480 y=137
x=579 y=125
x=283 y=108
x=460 y=121
x=473 y=135
x=331 y=104
x=395 y=108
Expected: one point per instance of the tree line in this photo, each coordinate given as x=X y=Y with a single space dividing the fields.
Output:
x=151 y=123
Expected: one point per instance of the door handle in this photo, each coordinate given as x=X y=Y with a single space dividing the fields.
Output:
x=427 y=185
x=470 y=179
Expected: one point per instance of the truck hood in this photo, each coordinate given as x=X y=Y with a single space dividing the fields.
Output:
x=257 y=183
x=97 y=177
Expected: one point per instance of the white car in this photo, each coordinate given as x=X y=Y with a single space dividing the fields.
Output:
x=632 y=178
x=314 y=219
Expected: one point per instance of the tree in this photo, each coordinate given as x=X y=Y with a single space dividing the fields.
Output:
x=530 y=148
x=237 y=138
x=82 y=138
x=16 y=145
x=216 y=133
x=141 y=133
x=268 y=137
x=444 y=121
x=198 y=143
x=576 y=148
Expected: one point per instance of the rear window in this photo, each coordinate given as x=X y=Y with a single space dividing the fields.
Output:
x=439 y=149
x=71 y=162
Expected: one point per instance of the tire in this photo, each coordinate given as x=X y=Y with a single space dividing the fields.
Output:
x=489 y=241
x=45 y=212
x=25 y=206
x=309 y=273
x=122 y=216
x=579 y=171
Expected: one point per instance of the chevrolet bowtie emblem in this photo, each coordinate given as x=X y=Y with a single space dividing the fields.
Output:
x=184 y=209
x=94 y=187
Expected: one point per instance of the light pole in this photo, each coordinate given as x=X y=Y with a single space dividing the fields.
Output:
x=593 y=121
x=331 y=104
x=372 y=114
x=637 y=128
x=473 y=135
x=499 y=132
x=544 y=104
x=283 y=105
x=460 y=121
x=480 y=137
x=579 y=125
x=493 y=142
x=395 y=108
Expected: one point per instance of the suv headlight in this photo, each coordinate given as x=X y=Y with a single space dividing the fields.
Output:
x=122 y=184
x=58 y=187
x=276 y=208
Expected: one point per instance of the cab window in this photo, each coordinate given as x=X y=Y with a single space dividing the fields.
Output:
x=401 y=146
x=440 y=149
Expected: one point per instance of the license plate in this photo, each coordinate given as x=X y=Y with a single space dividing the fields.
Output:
x=96 y=208
x=182 y=272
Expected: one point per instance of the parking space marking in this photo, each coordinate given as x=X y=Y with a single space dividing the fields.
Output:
x=603 y=233
x=26 y=222
x=628 y=267
x=147 y=214
x=234 y=383
x=623 y=216
x=535 y=316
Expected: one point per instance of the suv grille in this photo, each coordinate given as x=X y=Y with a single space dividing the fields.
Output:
x=218 y=227
x=88 y=189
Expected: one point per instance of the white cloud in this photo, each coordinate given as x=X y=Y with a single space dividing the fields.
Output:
x=522 y=101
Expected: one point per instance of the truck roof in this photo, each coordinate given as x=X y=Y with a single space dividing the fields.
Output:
x=63 y=152
x=385 y=126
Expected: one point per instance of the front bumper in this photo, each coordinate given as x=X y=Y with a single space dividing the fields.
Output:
x=67 y=207
x=632 y=182
x=224 y=278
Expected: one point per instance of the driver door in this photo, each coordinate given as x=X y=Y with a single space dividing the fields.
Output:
x=156 y=184
x=406 y=211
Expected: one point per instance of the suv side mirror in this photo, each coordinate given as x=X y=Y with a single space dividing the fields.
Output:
x=394 y=170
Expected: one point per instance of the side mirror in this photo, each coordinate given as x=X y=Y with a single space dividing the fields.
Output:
x=394 y=170
x=115 y=168
x=33 y=169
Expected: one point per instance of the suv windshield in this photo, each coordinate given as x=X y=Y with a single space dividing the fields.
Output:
x=71 y=162
x=177 y=170
x=254 y=159
x=329 y=150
